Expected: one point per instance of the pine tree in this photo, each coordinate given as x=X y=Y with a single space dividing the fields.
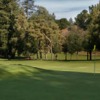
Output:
x=9 y=12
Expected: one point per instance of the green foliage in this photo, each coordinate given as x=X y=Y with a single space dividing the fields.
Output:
x=94 y=26
x=25 y=35
x=73 y=41
x=8 y=12
x=29 y=29
x=82 y=19
x=56 y=45
x=63 y=23
x=91 y=23
x=45 y=28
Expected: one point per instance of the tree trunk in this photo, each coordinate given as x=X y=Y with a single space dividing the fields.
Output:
x=45 y=56
x=71 y=57
x=56 y=56
x=65 y=56
x=13 y=55
x=40 y=55
x=10 y=54
x=37 y=56
x=51 y=53
x=90 y=52
x=77 y=55
x=87 y=56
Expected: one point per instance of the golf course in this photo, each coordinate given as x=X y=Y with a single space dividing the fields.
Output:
x=49 y=80
x=49 y=49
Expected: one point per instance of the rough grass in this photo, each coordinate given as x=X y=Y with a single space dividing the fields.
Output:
x=49 y=80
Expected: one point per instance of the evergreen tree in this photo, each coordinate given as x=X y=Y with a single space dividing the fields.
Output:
x=94 y=26
x=82 y=19
x=9 y=9
x=90 y=22
x=4 y=25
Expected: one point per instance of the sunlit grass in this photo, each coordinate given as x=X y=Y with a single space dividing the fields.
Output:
x=77 y=66
x=49 y=80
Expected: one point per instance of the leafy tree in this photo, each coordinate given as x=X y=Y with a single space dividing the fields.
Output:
x=93 y=30
x=94 y=26
x=73 y=41
x=18 y=30
x=91 y=23
x=29 y=41
x=82 y=19
x=9 y=10
x=13 y=34
x=88 y=46
x=65 y=47
x=45 y=27
x=63 y=23
x=56 y=48
x=21 y=26
x=4 y=25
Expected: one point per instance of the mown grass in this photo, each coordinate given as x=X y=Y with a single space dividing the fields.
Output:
x=75 y=56
x=49 y=80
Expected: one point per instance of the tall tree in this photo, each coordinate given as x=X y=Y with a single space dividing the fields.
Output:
x=73 y=41
x=93 y=29
x=45 y=27
x=9 y=10
x=21 y=26
x=82 y=19
x=90 y=22
x=94 y=26
x=65 y=47
x=4 y=25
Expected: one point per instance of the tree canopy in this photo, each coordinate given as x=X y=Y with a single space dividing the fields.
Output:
x=27 y=29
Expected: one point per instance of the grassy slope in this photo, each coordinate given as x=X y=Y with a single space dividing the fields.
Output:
x=49 y=80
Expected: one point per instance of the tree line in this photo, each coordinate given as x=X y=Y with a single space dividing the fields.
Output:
x=27 y=29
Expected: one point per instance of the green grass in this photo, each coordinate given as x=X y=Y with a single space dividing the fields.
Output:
x=49 y=80
x=75 y=56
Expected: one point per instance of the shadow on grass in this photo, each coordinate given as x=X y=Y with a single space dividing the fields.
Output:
x=38 y=84
x=4 y=73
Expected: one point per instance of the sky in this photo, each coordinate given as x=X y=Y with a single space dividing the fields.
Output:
x=65 y=8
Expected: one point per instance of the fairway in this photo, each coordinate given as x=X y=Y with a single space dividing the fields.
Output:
x=49 y=80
